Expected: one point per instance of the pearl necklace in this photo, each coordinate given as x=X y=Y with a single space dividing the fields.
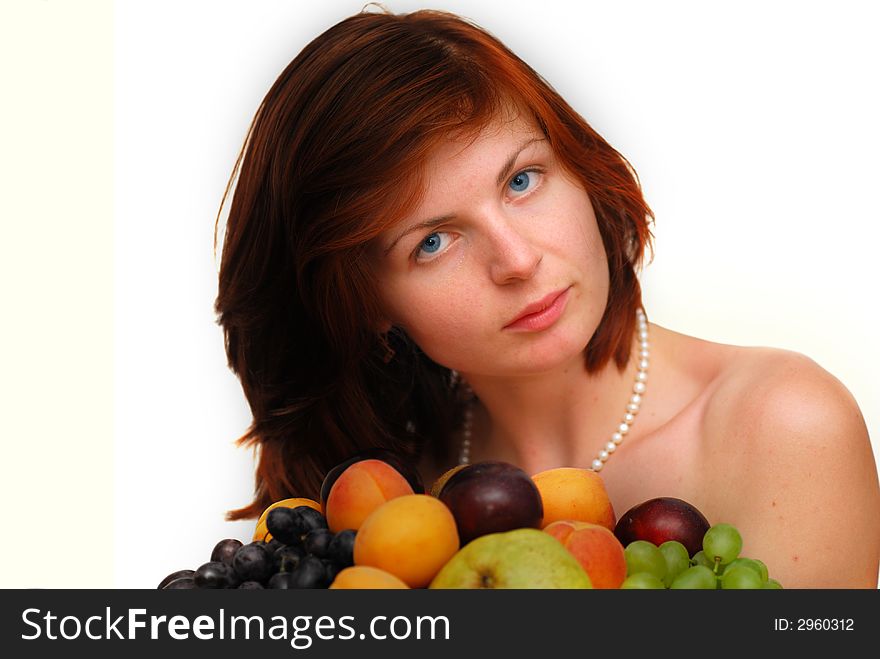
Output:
x=632 y=407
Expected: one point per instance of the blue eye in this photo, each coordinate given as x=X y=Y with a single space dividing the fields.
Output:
x=520 y=182
x=433 y=244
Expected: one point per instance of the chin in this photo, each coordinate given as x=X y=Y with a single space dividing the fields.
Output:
x=551 y=355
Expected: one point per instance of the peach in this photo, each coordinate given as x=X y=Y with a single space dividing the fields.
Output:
x=365 y=577
x=411 y=536
x=359 y=490
x=569 y=493
x=262 y=533
x=595 y=547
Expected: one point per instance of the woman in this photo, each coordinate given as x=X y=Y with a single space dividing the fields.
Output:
x=428 y=250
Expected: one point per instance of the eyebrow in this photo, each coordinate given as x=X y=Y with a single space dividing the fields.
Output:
x=505 y=171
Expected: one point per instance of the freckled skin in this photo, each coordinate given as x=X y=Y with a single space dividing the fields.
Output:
x=504 y=249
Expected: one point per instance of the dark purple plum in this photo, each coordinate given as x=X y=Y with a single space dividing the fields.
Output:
x=491 y=497
x=661 y=519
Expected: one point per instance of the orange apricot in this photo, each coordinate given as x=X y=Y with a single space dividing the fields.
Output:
x=569 y=493
x=411 y=537
x=359 y=577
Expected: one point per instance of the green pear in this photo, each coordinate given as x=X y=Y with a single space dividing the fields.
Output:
x=522 y=558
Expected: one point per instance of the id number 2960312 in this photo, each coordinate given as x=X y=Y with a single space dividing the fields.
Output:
x=813 y=624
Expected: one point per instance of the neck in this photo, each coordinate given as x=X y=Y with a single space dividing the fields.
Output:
x=559 y=418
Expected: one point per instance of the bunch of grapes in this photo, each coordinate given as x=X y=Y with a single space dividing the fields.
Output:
x=302 y=553
x=717 y=566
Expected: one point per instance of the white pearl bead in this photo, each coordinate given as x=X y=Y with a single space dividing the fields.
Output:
x=644 y=354
x=635 y=399
x=639 y=387
x=644 y=345
x=623 y=428
x=617 y=438
x=643 y=365
x=603 y=455
x=628 y=418
x=597 y=465
x=641 y=376
x=643 y=335
x=632 y=408
x=611 y=447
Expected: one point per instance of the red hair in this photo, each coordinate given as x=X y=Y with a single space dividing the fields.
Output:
x=332 y=159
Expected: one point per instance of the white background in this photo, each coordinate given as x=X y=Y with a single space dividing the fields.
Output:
x=752 y=126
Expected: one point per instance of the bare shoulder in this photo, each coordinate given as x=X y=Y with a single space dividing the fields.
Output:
x=757 y=385
x=787 y=454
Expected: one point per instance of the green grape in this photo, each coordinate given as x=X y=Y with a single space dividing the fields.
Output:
x=765 y=573
x=772 y=584
x=740 y=577
x=643 y=556
x=642 y=581
x=722 y=543
x=677 y=559
x=695 y=577
x=759 y=568
x=700 y=559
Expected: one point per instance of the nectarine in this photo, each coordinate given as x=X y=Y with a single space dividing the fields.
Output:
x=359 y=490
x=596 y=548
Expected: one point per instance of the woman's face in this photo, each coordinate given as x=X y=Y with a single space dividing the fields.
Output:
x=501 y=233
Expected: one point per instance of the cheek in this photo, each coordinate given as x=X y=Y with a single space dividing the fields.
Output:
x=440 y=316
x=586 y=234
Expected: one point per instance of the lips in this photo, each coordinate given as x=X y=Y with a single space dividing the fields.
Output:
x=541 y=314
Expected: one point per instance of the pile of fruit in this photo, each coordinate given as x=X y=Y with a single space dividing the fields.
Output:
x=485 y=525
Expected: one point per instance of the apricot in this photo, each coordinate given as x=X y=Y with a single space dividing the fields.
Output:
x=262 y=533
x=411 y=536
x=359 y=490
x=569 y=493
x=365 y=577
x=595 y=547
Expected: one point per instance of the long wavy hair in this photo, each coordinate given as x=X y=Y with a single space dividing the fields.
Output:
x=332 y=159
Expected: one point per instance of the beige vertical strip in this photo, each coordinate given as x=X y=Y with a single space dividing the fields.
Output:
x=56 y=293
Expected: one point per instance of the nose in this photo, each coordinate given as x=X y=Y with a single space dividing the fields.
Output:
x=515 y=255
